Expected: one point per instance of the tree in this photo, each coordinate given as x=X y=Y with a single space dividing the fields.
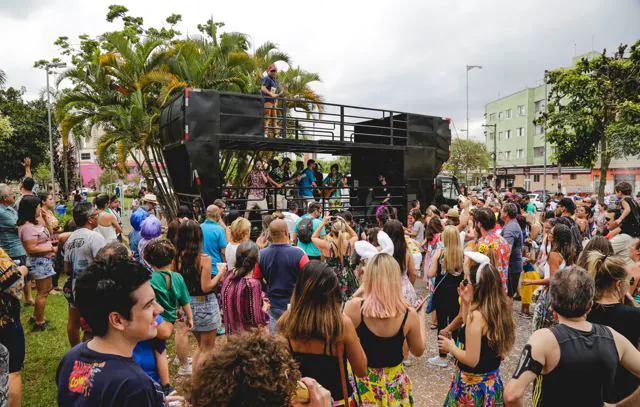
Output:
x=594 y=110
x=42 y=175
x=71 y=165
x=29 y=136
x=467 y=156
x=120 y=80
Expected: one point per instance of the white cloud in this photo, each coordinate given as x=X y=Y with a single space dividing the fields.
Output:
x=401 y=55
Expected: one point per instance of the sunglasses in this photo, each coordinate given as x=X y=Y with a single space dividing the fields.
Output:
x=466 y=282
x=273 y=71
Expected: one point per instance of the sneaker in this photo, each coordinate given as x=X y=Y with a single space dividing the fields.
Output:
x=176 y=361
x=406 y=363
x=220 y=331
x=185 y=370
x=438 y=361
x=40 y=327
x=168 y=390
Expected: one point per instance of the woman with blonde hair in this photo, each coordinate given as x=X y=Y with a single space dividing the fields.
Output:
x=486 y=337
x=321 y=338
x=610 y=309
x=447 y=268
x=336 y=251
x=240 y=232
x=383 y=322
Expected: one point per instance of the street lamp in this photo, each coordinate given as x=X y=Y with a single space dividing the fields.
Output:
x=469 y=67
x=53 y=180
x=495 y=153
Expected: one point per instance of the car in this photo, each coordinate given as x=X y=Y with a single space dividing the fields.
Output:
x=535 y=200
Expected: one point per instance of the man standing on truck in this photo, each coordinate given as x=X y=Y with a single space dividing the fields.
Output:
x=268 y=89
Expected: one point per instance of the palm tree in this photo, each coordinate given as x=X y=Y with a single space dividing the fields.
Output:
x=3 y=78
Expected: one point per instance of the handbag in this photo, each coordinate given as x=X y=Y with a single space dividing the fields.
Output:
x=430 y=306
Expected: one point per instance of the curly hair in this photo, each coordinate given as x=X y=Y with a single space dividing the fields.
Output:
x=252 y=369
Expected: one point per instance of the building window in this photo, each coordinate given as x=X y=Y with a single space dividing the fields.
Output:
x=539 y=106
x=573 y=176
x=85 y=156
x=499 y=135
x=521 y=110
x=492 y=117
x=519 y=153
x=491 y=136
x=507 y=134
x=508 y=113
x=500 y=155
x=538 y=151
x=536 y=178
x=520 y=131
x=500 y=116
x=539 y=129
x=507 y=155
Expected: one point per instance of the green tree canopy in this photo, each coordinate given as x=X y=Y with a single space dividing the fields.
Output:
x=119 y=81
x=467 y=156
x=594 y=110
x=29 y=136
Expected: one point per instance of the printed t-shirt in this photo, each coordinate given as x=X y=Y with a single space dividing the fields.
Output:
x=86 y=378
x=81 y=248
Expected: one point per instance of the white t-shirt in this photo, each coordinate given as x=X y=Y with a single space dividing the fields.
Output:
x=230 y=255
x=81 y=248
x=291 y=219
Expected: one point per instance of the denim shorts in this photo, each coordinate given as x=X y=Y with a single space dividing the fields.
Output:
x=40 y=267
x=206 y=313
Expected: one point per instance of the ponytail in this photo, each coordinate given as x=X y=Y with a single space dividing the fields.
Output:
x=606 y=271
x=246 y=259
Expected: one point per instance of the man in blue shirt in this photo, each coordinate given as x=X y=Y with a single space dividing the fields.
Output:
x=269 y=90
x=214 y=237
x=512 y=233
x=314 y=212
x=307 y=181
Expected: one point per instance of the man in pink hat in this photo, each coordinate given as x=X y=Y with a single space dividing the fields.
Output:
x=269 y=90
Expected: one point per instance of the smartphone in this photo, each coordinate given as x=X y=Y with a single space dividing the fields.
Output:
x=419 y=303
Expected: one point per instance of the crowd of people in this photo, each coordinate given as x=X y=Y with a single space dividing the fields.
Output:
x=319 y=311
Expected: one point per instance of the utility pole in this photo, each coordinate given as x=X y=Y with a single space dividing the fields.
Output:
x=495 y=152
x=546 y=110
x=53 y=178
x=469 y=67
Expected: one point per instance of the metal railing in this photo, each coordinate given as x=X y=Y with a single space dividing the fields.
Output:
x=336 y=123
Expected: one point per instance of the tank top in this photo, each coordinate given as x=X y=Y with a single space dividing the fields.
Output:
x=489 y=359
x=325 y=368
x=588 y=362
x=108 y=232
x=381 y=351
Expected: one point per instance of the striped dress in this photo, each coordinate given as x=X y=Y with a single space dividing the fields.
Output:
x=242 y=304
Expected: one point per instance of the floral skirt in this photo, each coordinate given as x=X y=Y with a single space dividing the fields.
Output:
x=386 y=386
x=475 y=390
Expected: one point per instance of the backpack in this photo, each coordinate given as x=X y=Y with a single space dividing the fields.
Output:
x=631 y=224
x=305 y=229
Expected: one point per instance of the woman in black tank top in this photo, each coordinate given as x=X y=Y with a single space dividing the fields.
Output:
x=321 y=338
x=488 y=334
x=384 y=322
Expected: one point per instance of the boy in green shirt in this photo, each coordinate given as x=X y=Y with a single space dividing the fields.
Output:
x=171 y=293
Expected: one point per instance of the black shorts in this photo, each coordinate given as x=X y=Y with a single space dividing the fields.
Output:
x=512 y=283
x=12 y=337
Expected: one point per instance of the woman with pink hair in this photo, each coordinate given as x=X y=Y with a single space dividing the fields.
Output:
x=383 y=322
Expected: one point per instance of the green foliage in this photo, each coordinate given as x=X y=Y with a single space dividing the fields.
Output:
x=343 y=161
x=594 y=110
x=30 y=135
x=6 y=129
x=467 y=156
x=108 y=177
x=120 y=80
x=42 y=174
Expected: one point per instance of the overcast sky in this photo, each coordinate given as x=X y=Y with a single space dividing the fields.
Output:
x=401 y=55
